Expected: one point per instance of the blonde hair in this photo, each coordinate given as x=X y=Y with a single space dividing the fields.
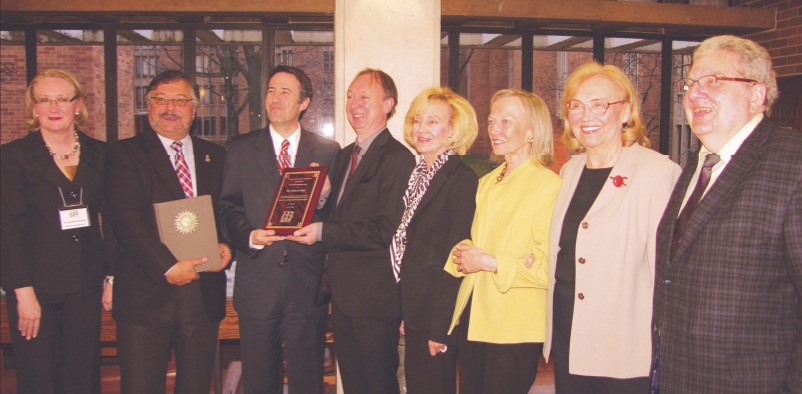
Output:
x=464 y=126
x=755 y=62
x=633 y=129
x=30 y=118
x=537 y=112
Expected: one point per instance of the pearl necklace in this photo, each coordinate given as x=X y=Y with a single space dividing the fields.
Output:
x=75 y=149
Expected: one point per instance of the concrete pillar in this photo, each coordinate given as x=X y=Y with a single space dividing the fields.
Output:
x=401 y=37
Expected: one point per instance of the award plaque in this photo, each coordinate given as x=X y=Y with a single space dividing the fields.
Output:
x=295 y=200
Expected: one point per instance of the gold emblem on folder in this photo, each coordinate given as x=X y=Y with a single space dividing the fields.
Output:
x=186 y=222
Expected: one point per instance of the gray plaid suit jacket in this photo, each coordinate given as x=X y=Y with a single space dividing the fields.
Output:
x=728 y=304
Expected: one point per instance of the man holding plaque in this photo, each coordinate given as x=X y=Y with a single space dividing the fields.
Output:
x=158 y=300
x=276 y=280
x=366 y=207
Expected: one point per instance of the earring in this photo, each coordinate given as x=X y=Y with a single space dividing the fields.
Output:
x=35 y=115
x=77 y=113
x=449 y=138
x=530 y=139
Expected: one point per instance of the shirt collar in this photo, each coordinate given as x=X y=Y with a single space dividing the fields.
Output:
x=294 y=139
x=186 y=148
x=732 y=146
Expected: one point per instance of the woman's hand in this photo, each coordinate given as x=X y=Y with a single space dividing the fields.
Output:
x=470 y=259
x=435 y=348
x=29 y=311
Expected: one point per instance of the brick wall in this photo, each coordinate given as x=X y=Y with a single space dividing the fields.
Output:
x=785 y=41
x=12 y=99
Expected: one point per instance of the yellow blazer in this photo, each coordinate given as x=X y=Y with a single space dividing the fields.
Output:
x=511 y=222
x=610 y=335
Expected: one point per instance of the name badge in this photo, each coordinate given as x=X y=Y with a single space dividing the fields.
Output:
x=74 y=214
x=74 y=217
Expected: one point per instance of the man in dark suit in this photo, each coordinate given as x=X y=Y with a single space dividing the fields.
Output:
x=276 y=280
x=728 y=290
x=159 y=301
x=366 y=207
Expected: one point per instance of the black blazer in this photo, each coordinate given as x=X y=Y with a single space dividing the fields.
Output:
x=443 y=218
x=140 y=174
x=359 y=229
x=35 y=250
x=250 y=179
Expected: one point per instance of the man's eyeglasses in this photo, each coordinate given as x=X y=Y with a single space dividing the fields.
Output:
x=597 y=106
x=60 y=101
x=707 y=82
x=178 y=102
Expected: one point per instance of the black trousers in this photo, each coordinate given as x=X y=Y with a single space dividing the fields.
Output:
x=303 y=339
x=144 y=351
x=490 y=368
x=424 y=373
x=367 y=352
x=567 y=383
x=65 y=356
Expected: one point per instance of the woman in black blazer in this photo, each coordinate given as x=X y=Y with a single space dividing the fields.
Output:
x=53 y=255
x=439 y=207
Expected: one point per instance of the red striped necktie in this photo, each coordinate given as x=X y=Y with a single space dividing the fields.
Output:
x=182 y=168
x=284 y=157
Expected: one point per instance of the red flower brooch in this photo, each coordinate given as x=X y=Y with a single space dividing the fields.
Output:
x=618 y=180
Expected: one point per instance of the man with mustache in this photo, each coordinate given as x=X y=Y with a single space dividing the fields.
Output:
x=160 y=302
x=274 y=292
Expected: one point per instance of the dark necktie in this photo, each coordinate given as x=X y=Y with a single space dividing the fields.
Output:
x=182 y=168
x=284 y=157
x=696 y=196
x=354 y=160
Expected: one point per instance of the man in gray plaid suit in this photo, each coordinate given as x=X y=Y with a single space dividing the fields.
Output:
x=728 y=289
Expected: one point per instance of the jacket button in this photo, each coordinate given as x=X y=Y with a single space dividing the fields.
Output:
x=580 y=296
x=667 y=282
x=584 y=225
x=75 y=238
x=581 y=260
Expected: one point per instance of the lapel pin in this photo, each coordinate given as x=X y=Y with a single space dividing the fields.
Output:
x=618 y=180
x=208 y=159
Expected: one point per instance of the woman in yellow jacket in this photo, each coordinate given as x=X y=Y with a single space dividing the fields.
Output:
x=500 y=313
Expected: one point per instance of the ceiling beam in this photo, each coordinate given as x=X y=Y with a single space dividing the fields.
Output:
x=501 y=40
x=594 y=12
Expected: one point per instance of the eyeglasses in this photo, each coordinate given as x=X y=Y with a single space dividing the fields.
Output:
x=60 y=101
x=707 y=82
x=597 y=106
x=176 y=101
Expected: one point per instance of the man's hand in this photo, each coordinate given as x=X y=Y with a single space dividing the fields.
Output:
x=306 y=235
x=108 y=290
x=326 y=183
x=225 y=257
x=183 y=272
x=265 y=237
x=29 y=312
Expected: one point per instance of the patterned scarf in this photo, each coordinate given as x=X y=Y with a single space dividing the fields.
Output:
x=416 y=188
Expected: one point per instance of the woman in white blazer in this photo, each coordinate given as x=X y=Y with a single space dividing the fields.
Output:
x=602 y=238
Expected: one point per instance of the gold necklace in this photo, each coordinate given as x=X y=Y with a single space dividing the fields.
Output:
x=503 y=172
x=75 y=149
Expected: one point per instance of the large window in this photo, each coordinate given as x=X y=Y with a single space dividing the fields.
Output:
x=229 y=73
x=141 y=55
x=313 y=52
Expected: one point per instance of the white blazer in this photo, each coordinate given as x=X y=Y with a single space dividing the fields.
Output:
x=611 y=334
